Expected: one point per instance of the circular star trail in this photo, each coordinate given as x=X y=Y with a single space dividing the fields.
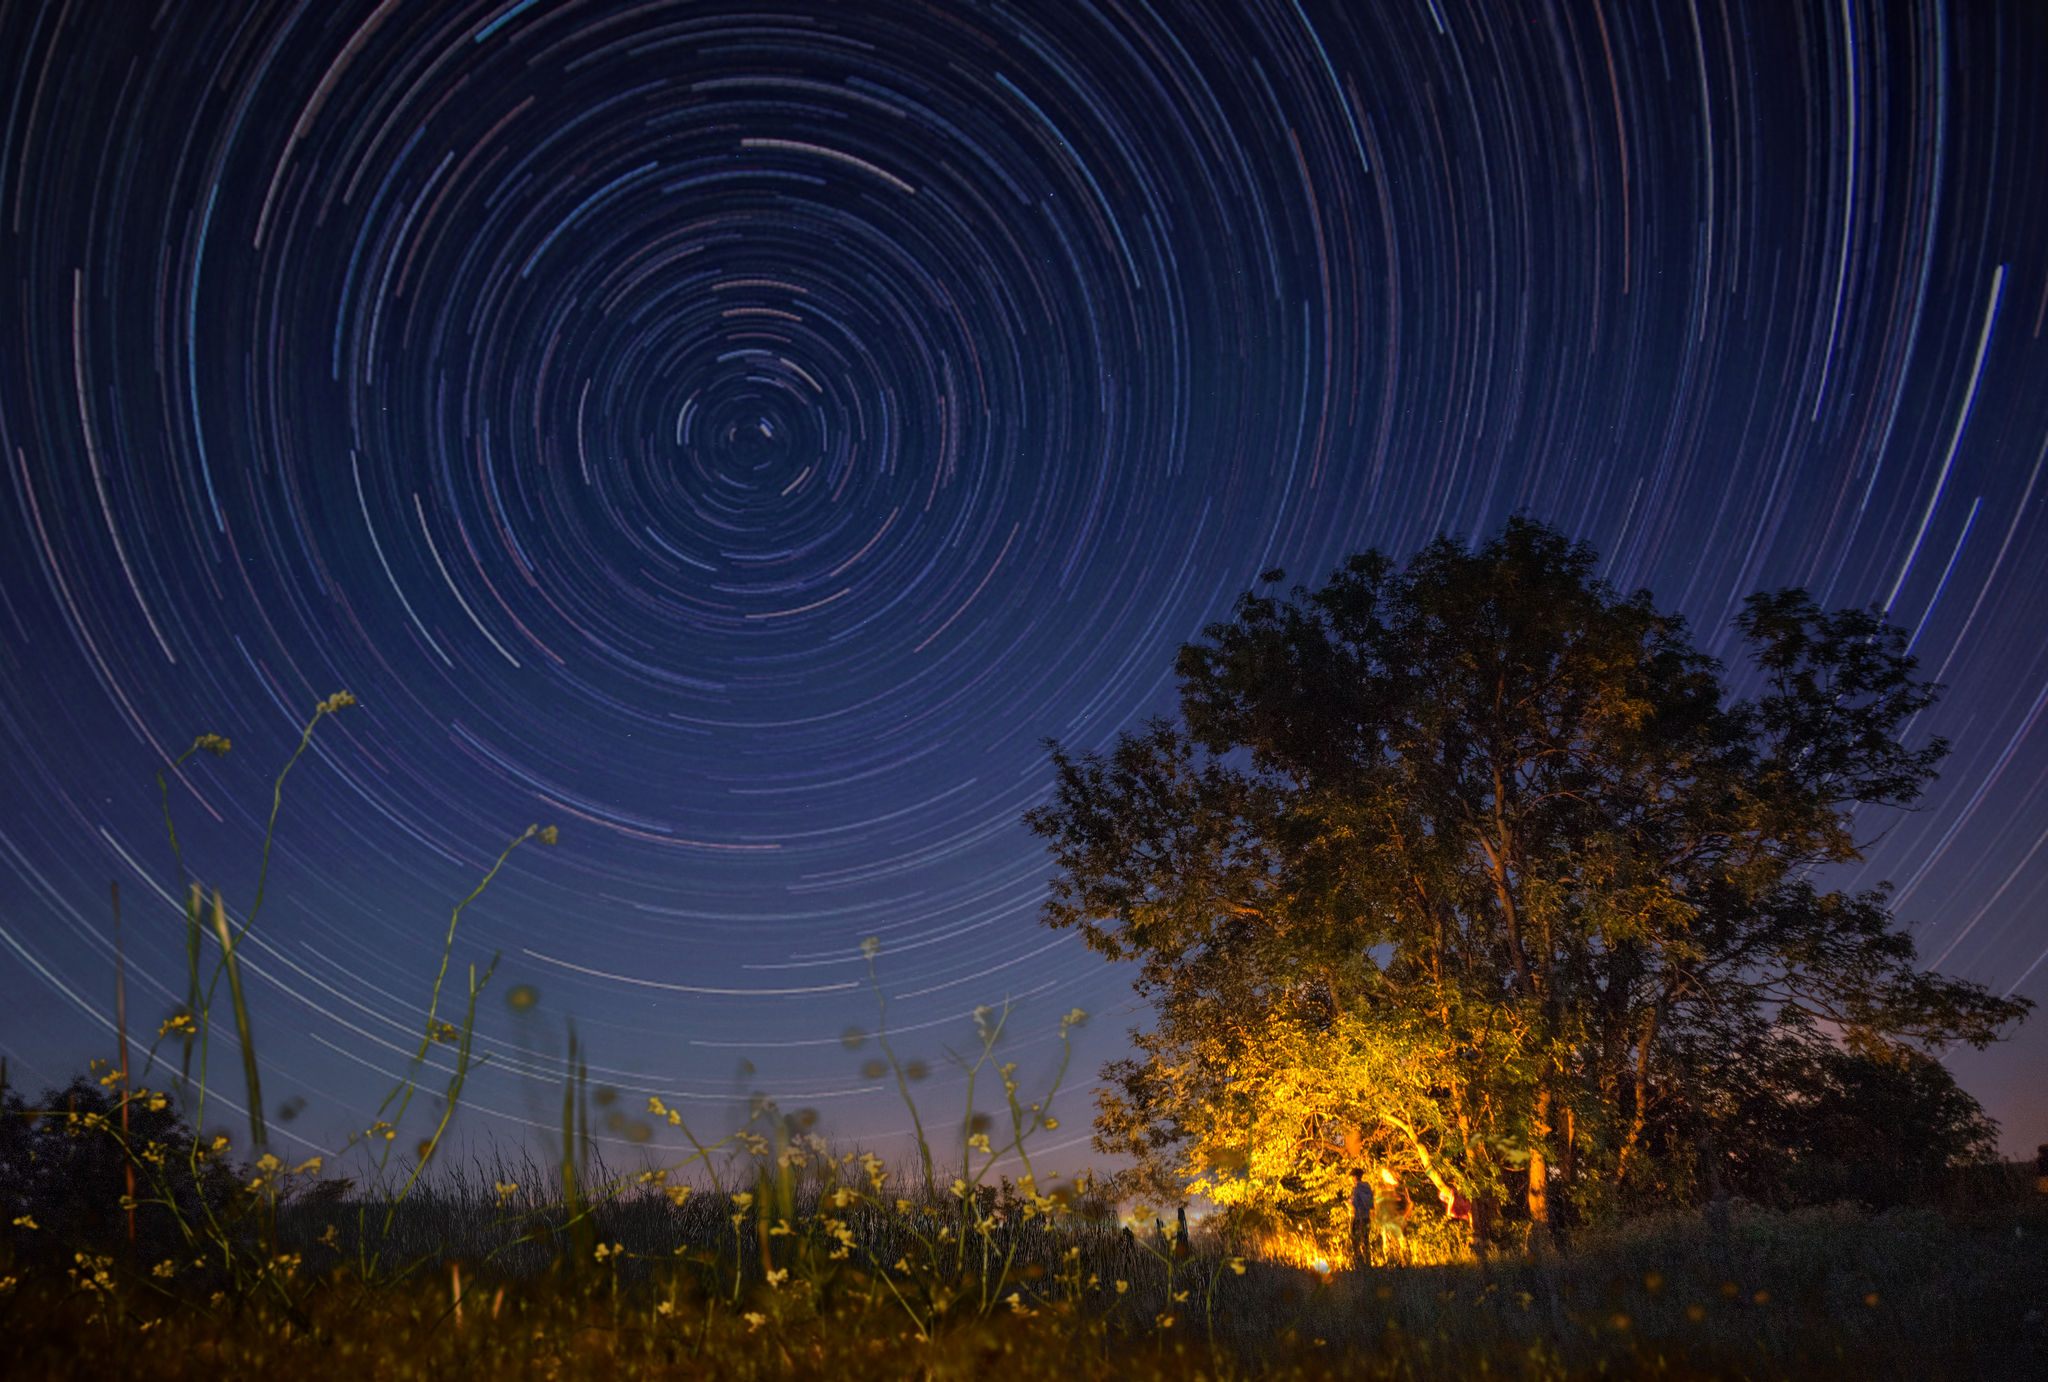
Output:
x=740 y=436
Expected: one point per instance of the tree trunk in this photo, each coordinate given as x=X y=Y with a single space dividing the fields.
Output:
x=1485 y=1214
x=1625 y=1163
x=1539 y=1172
x=1496 y=861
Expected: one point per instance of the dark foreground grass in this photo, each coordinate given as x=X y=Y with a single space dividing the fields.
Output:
x=1826 y=1293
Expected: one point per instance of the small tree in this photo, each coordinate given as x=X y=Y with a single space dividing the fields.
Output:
x=1460 y=867
x=63 y=1170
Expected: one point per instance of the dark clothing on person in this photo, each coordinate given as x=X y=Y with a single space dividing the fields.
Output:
x=1361 y=1219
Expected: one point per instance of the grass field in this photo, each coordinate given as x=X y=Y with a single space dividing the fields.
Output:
x=504 y=1291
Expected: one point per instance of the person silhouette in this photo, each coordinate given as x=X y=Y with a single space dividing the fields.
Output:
x=1390 y=1213
x=1361 y=1218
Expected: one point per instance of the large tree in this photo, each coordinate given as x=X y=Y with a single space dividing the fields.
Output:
x=1475 y=868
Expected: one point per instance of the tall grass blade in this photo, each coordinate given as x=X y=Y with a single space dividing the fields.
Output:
x=257 y=1136
x=192 y=1004
x=121 y=1024
x=327 y=707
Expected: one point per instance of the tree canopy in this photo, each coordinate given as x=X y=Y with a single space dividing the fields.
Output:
x=1475 y=868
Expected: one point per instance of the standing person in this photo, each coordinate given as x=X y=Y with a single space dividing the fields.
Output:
x=1361 y=1219
x=1390 y=1214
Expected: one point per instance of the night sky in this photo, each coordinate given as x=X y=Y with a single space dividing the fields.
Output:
x=738 y=434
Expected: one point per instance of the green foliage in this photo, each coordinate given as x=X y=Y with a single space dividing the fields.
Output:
x=1474 y=867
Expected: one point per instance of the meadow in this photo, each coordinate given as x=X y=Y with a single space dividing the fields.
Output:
x=489 y=1285
x=134 y=1247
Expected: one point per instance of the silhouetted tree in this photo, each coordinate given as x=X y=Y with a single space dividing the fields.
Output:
x=1795 y=1118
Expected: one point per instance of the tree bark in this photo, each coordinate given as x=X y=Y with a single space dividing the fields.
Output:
x=1496 y=862
x=1625 y=1163
x=1539 y=1171
x=1485 y=1211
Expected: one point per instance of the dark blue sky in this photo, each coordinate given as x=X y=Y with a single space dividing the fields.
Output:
x=737 y=436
